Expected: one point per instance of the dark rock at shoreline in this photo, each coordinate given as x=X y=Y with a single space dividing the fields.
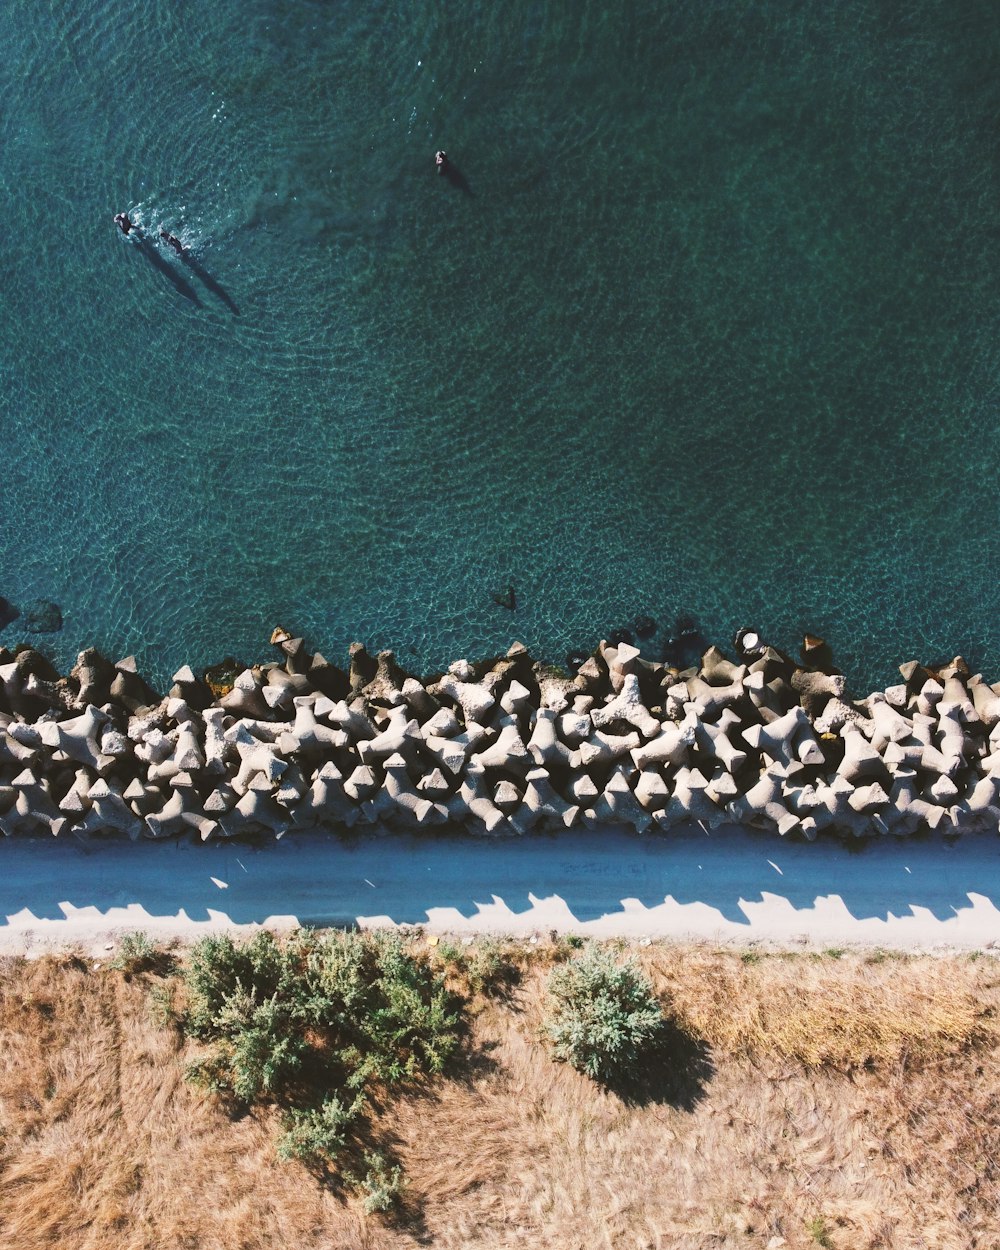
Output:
x=363 y=667
x=195 y=693
x=816 y=653
x=297 y=659
x=220 y=677
x=687 y=645
x=129 y=688
x=8 y=613
x=328 y=678
x=32 y=663
x=42 y=616
x=93 y=674
x=645 y=626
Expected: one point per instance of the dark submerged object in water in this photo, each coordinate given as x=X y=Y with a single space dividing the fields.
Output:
x=618 y=636
x=645 y=626
x=576 y=660
x=448 y=170
x=687 y=645
x=8 y=613
x=42 y=616
x=508 y=601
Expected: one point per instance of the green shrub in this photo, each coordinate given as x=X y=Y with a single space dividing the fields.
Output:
x=381 y=1184
x=261 y=1043
x=312 y=1023
x=136 y=953
x=603 y=1017
x=489 y=968
x=318 y=1135
x=334 y=983
x=219 y=968
x=411 y=1025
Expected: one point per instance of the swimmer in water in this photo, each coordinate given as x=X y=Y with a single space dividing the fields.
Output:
x=123 y=222
x=440 y=161
x=174 y=242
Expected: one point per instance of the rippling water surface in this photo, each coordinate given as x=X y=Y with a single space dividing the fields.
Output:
x=706 y=324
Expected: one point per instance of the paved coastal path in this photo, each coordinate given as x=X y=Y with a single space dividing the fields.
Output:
x=731 y=886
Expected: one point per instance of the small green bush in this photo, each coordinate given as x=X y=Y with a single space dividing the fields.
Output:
x=381 y=1184
x=219 y=968
x=262 y=1044
x=136 y=953
x=410 y=1026
x=604 y=1017
x=318 y=1135
x=488 y=967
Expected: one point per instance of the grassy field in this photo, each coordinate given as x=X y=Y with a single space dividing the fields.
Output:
x=801 y=1100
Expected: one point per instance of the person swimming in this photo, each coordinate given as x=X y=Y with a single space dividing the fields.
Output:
x=124 y=222
x=440 y=161
x=174 y=242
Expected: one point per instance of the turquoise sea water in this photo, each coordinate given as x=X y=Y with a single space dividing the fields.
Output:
x=710 y=328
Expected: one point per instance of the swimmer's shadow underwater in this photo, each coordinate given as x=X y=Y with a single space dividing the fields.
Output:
x=199 y=270
x=155 y=257
x=149 y=249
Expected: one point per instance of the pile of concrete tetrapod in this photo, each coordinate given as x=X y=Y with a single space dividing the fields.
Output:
x=502 y=747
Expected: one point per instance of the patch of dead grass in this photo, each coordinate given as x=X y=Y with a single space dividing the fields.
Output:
x=845 y=1014
x=861 y=1100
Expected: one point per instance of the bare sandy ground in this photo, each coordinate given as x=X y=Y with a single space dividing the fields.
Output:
x=730 y=886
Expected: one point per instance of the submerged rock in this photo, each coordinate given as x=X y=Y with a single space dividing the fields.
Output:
x=42 y=616
x=8 y=613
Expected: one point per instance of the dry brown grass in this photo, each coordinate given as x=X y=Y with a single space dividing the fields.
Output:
x=848 y=1017
x=845 y=1103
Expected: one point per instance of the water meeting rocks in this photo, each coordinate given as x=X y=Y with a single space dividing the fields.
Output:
x=500 y=747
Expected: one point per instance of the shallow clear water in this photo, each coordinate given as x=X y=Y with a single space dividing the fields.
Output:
x=710 y=329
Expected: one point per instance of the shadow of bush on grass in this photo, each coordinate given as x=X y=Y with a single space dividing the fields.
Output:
x=675 y=1071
